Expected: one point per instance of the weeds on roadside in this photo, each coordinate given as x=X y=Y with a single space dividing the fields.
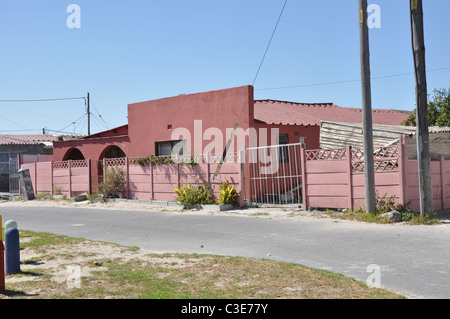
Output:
x=386 y=204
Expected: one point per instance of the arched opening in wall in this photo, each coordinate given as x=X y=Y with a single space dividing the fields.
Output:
x=113 y=152
x=73 y=154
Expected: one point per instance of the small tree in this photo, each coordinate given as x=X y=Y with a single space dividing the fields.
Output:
x=113 y=184
x=438 y=110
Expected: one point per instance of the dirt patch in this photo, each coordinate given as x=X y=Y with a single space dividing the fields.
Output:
x=55 y=263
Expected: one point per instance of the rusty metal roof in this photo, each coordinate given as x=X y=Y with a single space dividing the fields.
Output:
x=293 y=113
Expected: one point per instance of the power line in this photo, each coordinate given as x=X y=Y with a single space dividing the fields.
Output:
x=11 y=121
x=107 y=125
x=31 y=112
x=243 y=106
x=46 y=100
x=28 y=130
x=346 y=81
x=71 y=123
x=270 y=42
x=69 y=133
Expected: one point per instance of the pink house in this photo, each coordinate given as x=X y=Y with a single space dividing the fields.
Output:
x=202 y=123
x=207 y=119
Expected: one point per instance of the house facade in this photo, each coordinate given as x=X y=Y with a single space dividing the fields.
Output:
x=11 y=148
x=205 y=122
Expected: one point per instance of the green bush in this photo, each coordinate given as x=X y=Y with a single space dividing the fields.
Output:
x=114 y=183
x=227 y=194
x=154 y=160
x=190 y=195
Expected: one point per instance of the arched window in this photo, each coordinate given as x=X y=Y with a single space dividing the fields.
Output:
x=73 y=154
x=114 y=152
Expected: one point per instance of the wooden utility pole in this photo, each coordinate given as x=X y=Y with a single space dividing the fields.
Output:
x=369 y=175
x=423 y=148
x=88 y=115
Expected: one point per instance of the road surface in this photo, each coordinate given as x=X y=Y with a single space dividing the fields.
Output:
x=411 y=260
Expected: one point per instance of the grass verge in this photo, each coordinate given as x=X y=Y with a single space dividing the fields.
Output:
x=112 y=271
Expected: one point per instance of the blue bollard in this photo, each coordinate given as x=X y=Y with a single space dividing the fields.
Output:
x=12 y=251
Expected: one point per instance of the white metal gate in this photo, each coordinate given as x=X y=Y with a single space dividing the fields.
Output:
x=272 y=175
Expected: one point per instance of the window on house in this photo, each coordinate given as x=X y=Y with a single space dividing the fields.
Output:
x=4 y=163
x=170 y=147
x=115 y=152
x=283 y=150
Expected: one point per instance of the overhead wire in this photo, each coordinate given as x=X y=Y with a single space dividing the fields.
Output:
x=107 y=125
x=219 y=166
x=45 y=100
x=71 y=123
x=31 y=112
x=3 y=101
x=346 y=81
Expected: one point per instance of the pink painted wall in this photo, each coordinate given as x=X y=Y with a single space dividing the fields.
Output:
x=155 y=121
x=27 y=159
x=331 y=183
x=93 y=148
x=71 y=177
x=143 y=182
x=440 y=180
x=326 y=183
x=159 y=181
x=294 y=132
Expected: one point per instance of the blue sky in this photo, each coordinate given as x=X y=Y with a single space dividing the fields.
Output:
x=138 y=50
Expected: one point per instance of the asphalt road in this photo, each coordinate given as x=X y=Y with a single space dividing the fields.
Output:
x=411 y=260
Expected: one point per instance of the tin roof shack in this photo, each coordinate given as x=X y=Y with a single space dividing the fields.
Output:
x=339 y=134
x=13 y=145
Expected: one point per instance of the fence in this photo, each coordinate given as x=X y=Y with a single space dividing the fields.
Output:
x=335 y=178
x=328 y=178
x=144 y=182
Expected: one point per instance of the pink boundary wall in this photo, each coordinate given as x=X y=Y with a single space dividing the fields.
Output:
x=144 y=182
x=331 y=178
x=71 y=178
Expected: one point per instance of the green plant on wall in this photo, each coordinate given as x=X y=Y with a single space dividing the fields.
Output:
x=114 y=183
x=190 y=195
x=191 y=162
x=160 y=160
x=227 y=194
x=154 y=160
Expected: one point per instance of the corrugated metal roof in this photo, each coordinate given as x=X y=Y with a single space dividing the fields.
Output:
x=293 y=113
x=27 y=139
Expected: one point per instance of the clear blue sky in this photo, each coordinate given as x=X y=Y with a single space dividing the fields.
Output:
x=137 y=50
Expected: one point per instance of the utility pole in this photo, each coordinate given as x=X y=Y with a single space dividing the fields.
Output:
x=88 y=115
x=369 y=175
x=423 y=148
